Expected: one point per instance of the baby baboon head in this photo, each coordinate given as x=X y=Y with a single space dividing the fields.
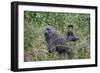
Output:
x=70 y=35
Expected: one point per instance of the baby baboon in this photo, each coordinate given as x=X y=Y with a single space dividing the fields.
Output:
x=70 y=36
x=55 y=42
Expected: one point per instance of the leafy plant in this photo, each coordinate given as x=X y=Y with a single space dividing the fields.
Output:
x=34 y=42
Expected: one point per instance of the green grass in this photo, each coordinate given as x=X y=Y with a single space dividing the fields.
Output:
x=34 y=42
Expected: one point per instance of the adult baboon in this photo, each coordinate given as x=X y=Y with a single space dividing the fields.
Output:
x=55 y=42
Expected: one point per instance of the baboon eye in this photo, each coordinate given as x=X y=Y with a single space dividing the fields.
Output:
x=48 y=29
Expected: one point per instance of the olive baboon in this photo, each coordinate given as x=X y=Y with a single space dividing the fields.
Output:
x=55 y=42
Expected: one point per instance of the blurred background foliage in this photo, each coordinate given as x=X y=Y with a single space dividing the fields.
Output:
x=34 y=41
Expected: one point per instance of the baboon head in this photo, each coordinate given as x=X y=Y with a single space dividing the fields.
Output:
x=70 y=30
x=49 y=31
x=70 y=36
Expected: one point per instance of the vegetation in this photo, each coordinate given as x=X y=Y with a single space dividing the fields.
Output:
x=34 y=42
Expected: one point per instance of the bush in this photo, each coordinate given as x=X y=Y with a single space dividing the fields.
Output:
x=34 y=41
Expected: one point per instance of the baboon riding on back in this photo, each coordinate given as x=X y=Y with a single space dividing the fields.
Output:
x=56 y=42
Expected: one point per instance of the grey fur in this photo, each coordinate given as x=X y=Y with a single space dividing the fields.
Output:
x=55 y=42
